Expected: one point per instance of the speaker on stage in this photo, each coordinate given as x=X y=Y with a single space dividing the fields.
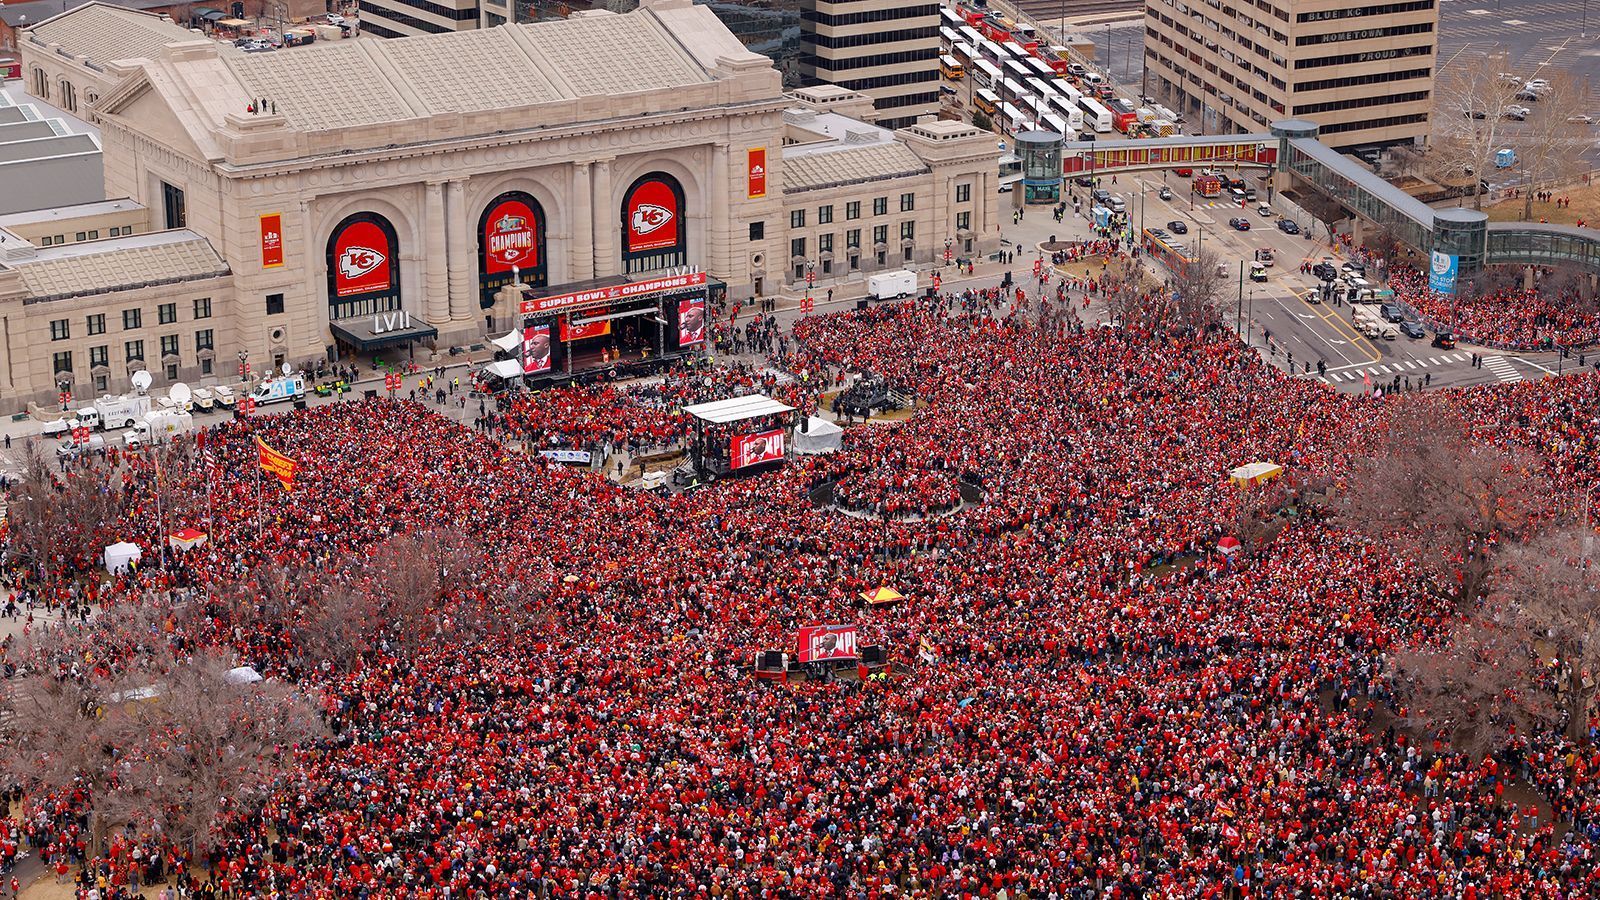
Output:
x=770 y=659
x=873 y=655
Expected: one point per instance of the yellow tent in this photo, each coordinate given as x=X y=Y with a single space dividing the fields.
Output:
x=1255 y=473
x=882 y=596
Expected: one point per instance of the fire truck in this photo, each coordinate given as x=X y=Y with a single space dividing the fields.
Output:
x=1207 y=185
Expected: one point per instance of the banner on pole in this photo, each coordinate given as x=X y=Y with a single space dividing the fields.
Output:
x=276 y=464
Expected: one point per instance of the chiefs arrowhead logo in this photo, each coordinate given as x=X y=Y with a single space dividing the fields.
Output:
x=648 y=217
x=358 y=261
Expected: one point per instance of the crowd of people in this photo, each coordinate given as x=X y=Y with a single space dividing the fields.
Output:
x=1092 y=698
x=1504 y=317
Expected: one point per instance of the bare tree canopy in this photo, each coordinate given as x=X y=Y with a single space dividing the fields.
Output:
x=60 y=522
x=1469 y=125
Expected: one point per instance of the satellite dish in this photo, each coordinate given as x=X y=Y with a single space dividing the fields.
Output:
x=141 y=380
x=288 y=369
x=180 y=393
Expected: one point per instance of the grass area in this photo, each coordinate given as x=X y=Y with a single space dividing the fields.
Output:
x=1585 y=206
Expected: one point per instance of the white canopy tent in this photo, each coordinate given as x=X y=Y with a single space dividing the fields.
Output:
x=122 y=556
x=820 y=436
x=508 y=342
x=505 y=368
x=736 y=409
x=241 y=675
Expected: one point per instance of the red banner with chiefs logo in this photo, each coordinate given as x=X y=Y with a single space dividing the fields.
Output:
x=756 y=172
x=271 y=240
x=691 y=322
x=362 y=260
x=570 y=332
x=754 y=449
x=535 y=349
x=510 y=237
x=820 y=643
x=653 y=216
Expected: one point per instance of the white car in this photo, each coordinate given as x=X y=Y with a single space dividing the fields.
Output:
x=335 y=19
x=1517 y=112
x=1581 y=119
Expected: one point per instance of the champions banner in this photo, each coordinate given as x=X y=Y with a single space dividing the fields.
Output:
x=754 y=449
x=821 y=643
x=276 y=464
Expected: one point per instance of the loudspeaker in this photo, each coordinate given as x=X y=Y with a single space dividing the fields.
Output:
x=769 y=659
x=872 y=655
x=862 y=303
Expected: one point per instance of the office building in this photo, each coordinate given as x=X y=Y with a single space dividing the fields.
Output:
x=886 y=49
x=1363 y=73
x=408 y=18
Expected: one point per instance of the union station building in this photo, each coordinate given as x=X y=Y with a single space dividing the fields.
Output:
x=364 y=195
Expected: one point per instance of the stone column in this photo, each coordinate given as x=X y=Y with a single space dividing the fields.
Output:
x=458 y=232
x=714 y=256
x=606 y=255
x=435 y=265
x=580 y=231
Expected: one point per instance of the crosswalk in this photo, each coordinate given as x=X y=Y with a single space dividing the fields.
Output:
x=1420 y=367
x=1502 y=369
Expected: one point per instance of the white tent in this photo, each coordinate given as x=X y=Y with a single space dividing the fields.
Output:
x=509 y=341
x=121 y=556
x=505 y=368
x=819 y=436
x=241 y=675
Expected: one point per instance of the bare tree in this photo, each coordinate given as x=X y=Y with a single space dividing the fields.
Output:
x=1199 y=290
x=1550 y=152
x=1550 y=586
x=1472 y=687
x=1470 y=98
x=60 y=521
x=1437 y=495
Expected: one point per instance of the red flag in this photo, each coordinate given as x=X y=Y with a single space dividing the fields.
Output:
x=276 y=464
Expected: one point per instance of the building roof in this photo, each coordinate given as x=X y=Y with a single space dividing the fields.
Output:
x=102 y=32
x=848 y=164
x=736 y=409
x=32 y=149
x=117 y=264
x=73 y=211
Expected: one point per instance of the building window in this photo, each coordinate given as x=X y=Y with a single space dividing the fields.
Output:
x=908 y=202
x=202 y=308
x=173 y=208
x=963 y=221
x=880 y=206
x=99 y=356
x=62 y=362
x=852 y=238
x=169 y=345
x=824 y=243
x=97 y=324
x=883 y=257
x=274 y=304
x=797 y=247
x=797 y=218
x=758 y=231
x=852 y=210
x=132 y=318
x=94 y=234
x=116 y=231
x=963 y=193
x=906 y=254
x=172 y=371
x=81 y=236
x=203 y=340
x=827 y=267
x=205 y=366
x=60 y=330
x=135 y=350
x=167 y=313
x=824 y=215
x=908 y=231
x=880 y=234
x=102 y=384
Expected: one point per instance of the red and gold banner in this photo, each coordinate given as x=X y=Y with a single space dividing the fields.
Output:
x=756 y=172
x=276 y=464
x=271 y=240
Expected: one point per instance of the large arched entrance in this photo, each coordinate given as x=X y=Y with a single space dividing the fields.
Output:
x=510 y=239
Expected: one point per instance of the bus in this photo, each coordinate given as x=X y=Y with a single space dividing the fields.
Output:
x=986 y=73
x=1122 y=114
x=1033 y=106
x=1095 y=116
x=992 y=52
x=948 y=36
x=1025 y=32
x=1071 y=113
x=1174 y=255
x=1052 y=122
x=1016 y=71
x=1017 y=51
x=951 y=68
x=1010 y=171
x=986 y=100
x=1041 y=68
x=1012 y=90
x=970 y=35
x=963 y=52
x=952 y=19
x=1012 y=119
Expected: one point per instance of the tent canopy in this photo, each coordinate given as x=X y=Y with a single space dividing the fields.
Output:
x=819 y=436
x=508 y=341
x=505 y=368
x=241 y=675
x=882 y=596
x=736 y=409
x=121 y=556
x=1256 y=472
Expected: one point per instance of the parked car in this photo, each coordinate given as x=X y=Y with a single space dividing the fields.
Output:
x=1083 y=181
x=1360 y=268
x=335 y=19
x=1176 y=226
x=1516 y=113
x=1183 y=173
x=1239 y=224
x=1392 y=312
x=1412 y=330
x=1250 y=194
x=1324 y=271
x=1581 y=119
x=1445 y=340
x=1287 y=226
x=1165 y=193
x=1076 y=70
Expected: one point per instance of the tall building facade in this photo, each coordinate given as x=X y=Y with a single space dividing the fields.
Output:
x=1363 y=72
x=886 y=49
x=408 y=18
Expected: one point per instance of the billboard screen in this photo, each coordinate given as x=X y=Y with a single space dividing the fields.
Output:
x=653 y=216
x=821 y=643
x=535 y=349
x=754 y=449
x=691 y=322
x=362 y=259
x=571 y=332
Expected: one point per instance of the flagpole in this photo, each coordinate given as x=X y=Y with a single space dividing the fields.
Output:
x=258 y=492
x=161 y=515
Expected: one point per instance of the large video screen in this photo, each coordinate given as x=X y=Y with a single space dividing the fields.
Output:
x=754 y=449
x=535 y=349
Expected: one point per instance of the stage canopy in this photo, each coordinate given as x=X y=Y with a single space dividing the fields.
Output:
x=1255 y=473
x=505 y=368
x=736 y=409
x=819 y=436
x=509 y=341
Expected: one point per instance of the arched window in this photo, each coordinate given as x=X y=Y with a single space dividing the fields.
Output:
x=69 y=96
x=510 y=234
x=655 y=232
x=363 y=267
x=41 y=84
